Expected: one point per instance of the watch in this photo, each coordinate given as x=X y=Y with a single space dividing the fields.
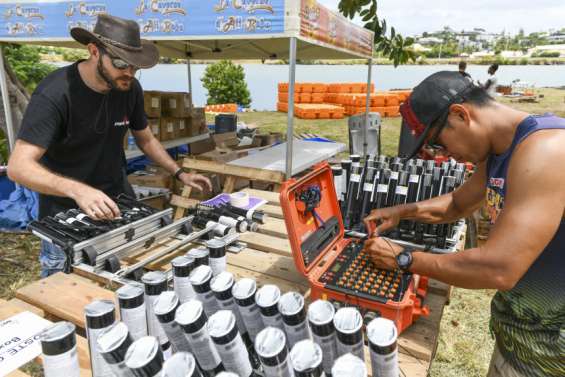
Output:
x=178 y=173
x=404 y=259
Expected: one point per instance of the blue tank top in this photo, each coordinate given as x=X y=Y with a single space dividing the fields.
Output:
x=529 y=320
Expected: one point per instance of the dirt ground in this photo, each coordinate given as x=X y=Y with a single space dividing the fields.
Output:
x=465 y=344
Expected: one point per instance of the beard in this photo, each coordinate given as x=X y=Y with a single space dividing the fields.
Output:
x=121 y=83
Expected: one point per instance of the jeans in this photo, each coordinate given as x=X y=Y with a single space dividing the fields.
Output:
x=51 y=259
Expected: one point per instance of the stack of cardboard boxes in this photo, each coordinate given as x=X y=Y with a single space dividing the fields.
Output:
x=171 y=115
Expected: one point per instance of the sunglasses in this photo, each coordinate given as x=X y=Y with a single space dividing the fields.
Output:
x=433 y=142
x=117 y=62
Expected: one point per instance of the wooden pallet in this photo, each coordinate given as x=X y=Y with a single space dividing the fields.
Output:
x=267 y=259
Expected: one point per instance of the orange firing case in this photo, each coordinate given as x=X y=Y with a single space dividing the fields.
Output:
x=300 y=226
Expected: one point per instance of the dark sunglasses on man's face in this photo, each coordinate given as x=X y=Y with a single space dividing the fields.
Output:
x=117 y=62
x=433 y=142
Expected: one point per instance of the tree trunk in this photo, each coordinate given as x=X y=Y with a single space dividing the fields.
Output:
x=19 y=99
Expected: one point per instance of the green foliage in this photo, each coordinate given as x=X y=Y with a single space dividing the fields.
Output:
x=74 y=54
x=225 y=83
x=392 y=45
x=546 y=54
x=25 y=62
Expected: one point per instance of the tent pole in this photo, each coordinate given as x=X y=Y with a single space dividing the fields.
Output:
x=367 y=105
x=189 y=77
x=290 y=119
x=6 y=101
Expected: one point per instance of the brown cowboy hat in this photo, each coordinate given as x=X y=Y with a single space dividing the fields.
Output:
x=121 y=38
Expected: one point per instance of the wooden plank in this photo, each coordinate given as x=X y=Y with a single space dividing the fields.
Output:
x=278 y=266
x=238 y=171
x=274 y=211
x=273 y=227
x=179 y=211
x=64 y=296
x=26 y=307
x=409 y=365
x=419 y=340
x=180 y=201
x=266 y=243
x=271 y=197
x=229 y=184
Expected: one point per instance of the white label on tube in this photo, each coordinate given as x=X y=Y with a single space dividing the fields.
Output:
x=176 y=336
x=385 y=365
x=153 y=326
x=414 y=178
x=355 y=178
x=368 y=187
x=281 y=370
x=230 y=304
x=183 y=288
x=136 y=321
x=235 y=357
x=217 y=265
x=297 y=333
x=382 y=188
x=355 y=349
x=274 y=321
x=209 y=302
x=394 y=175
x=401 y=190
x=252 y=319
x=99 y=366
x=65 y=364
x=329 y=350
x=204 y=349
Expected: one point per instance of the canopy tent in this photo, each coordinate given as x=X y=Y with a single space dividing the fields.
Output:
x=204 y=30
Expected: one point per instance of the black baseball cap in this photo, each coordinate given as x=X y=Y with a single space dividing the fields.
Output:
x=429 y=103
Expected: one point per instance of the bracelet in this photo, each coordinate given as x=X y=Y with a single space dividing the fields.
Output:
x=178 y=173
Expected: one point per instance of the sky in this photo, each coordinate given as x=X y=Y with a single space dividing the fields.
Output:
x=412 y=17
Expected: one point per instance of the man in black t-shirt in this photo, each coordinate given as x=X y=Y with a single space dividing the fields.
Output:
x=70 y=145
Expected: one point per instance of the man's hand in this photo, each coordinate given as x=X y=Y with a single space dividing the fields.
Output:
x=96 y=204
x=382 y=252
x=196 y=181
x=385 y=218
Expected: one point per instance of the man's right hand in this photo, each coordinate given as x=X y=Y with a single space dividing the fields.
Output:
x=96 y=205
x=384 y=218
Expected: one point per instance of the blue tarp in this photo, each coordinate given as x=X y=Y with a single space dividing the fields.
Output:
x=19 y=209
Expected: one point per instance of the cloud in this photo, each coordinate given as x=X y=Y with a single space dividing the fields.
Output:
x=416 y=16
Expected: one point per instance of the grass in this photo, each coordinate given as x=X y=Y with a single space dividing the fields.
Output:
x=464 y=346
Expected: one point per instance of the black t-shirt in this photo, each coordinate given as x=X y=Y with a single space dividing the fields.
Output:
x=82 y=132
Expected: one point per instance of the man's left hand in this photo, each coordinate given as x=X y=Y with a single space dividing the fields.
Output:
x=382 y=252
x=196 y=181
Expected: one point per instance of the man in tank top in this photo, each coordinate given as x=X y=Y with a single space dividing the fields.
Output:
x=520 y=174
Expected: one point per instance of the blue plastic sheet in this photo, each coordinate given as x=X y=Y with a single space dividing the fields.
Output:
x=19 y=209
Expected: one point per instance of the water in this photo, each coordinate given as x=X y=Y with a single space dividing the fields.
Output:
x=262 y=79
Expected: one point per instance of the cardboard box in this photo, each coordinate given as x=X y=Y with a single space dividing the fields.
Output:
x=151 y=179
x=176 y=104
x=152 y=103
x=269 y=139
x=155 y=127
x=202 y=146
x=220 y=155
x=226 y=139
x=183 y=127
x=196 y=126
x=167 y=129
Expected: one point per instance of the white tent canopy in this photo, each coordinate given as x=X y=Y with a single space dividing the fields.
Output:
x=202 y=30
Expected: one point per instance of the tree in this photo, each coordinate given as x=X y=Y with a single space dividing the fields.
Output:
x=392 y=45
x=26 y=63
x=225 y=83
